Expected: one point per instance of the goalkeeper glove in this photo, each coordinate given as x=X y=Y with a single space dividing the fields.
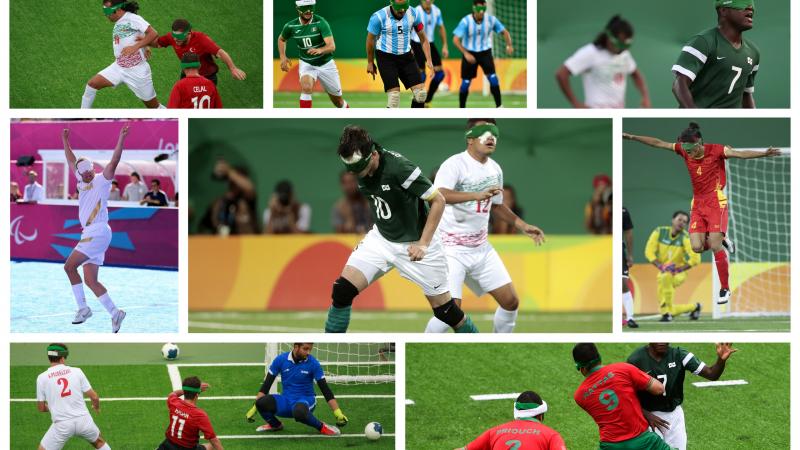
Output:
x=341 y=419
x=251 y=414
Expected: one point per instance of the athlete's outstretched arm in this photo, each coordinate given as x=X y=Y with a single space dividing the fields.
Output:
x=341 y=419
x=68 y=149
x=647 y=140
x=111 y=167
x=505 y=214
x=417 y=250
x=680 y=88
x=451 y=196
x=329 y=47
x=724 y=351
x=236 y=73
x=730 y=152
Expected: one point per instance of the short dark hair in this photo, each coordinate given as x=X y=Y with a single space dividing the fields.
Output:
x=115 y=182
x=680 y=212
x=156 y=181
x=355 y=139
x=529 y=397
x=690 y=133
x=478 y=2
x=136 y=174
x=616 y=26
x=129 y=6
x=190 y=57
x=471 y=122
x=284 y=186
x=585 y=352
x=56 y=358
x=193 y=382
x=181 y=24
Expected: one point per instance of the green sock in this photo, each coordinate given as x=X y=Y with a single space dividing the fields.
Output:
x=338 y=319
x=467 y=326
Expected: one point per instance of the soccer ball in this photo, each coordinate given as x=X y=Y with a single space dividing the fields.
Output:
x=170 y=351
x=373 y=431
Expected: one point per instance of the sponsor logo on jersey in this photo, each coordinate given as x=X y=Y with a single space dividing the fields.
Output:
x=672 y=365
x=385 y=187
x=750 y=60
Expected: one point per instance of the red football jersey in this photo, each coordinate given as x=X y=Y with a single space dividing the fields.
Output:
x=708 y=173
x=194 y=93
x=523 y=434
x=186 y=421
x=609 y=396
x=199 y=43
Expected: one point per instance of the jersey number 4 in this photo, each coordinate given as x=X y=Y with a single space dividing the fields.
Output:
x=64 y=383
x=180 y=422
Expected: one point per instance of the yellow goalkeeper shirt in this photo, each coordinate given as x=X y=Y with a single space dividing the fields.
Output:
x=663 y=248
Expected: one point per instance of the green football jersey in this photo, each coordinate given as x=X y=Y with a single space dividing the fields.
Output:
x=670 y=371
x=396 y=193
x=720 y=73
x=308 y=36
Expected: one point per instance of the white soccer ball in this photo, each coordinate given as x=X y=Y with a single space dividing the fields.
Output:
x=170 y=351
x=373 y=431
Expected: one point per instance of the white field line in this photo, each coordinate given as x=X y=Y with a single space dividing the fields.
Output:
x=703 y=384
x=485 y=397
x=295 y=436
x=227 y=397
x=175 y=379
x=261 y=364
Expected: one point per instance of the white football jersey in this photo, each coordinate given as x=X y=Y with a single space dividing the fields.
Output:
x=604 y=75
x=93 y=200
x=467 y=224
x=126 y=30
x=62 y=387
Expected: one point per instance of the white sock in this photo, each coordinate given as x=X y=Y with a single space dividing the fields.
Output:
x=304 y=96
x=436 y=326
x=88 y=97
x=627 y=304
x=504 y=320
x=105 y=447
x=105 y=300
x=80 y=298
x=344 y=104
x=161 y=106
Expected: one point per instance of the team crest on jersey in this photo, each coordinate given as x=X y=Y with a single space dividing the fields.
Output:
x=313 y=29
x=385 y=187
x=672 y=365
x=750 y=60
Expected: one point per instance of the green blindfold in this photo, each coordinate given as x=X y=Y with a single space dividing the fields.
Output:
x=57 y=350
x=478 y=130
x=579 y=366
x=734 y=4
x=109 y=10
x=400 y=7
x=479 y=8
x=359 y=165
x=690 y=146
x=306 y=8
x=619 y=43
x=182 y=36
x=190 y=65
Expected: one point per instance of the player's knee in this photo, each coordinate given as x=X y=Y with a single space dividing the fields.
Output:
x=697 y=248
x=394 y=99
x=343 y=293
x=512 y=304
x=267 y=403
x=438 y=76
x=493 y=80
x=300 y=412
x=465 y=85
x=449 y=313
x=420 y=95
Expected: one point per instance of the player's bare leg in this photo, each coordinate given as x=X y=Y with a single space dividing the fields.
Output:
x=71 y=266
x=393 y=95
x=505 y=317
x=420 y=94
x=306 y=89
x=338 y=101
x=153 y=103
x=90 y=272
x=94 y=84
x=101 y=444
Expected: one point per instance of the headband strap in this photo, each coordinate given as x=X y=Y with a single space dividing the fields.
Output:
x=357 y=163
x=579 y=365
x=109 y=10
x=528 y=410
x=191 y=389
x=181 y=36
x=190 y=65
x=57 y=350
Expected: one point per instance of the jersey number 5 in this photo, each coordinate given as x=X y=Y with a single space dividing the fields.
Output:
x=64 y=383
x=399 y=29
x=181 y=423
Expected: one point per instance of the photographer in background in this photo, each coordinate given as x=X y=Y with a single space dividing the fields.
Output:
x=235 y=211
x=284 y=214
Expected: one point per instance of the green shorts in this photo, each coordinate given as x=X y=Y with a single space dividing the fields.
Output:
x=645 y=441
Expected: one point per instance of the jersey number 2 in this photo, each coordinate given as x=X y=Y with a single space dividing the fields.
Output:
x=181 y=423
x=514 y=444
x=64 y=383
x=203 y=102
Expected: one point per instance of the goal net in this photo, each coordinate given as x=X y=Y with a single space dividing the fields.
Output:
x=759 y=196
x=513 y=14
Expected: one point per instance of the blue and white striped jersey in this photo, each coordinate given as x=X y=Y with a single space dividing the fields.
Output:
x=394 y=36
x=477 y=37
x=430 y=22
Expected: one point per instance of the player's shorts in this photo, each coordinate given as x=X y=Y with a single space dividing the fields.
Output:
x=645 y=441
x=375 y=256
x=327 y=74
x=286 y=404
x=708 y=216
x=480 y=268
x=94 y=242
x=485 y=59
x=138 y=78
x=419 y=55
x=168 y=445
x=676 y=435
x=61 y=432
x=393 y=67
x=212 y=77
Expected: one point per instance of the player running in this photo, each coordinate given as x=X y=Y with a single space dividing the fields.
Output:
x=709 y=214
x=471 y=183
x=93 y=192
x=314 y=39
x=473 y=37
x=298 y=369
x=717 y=67
x=392 y=28
x=608 y=394
x=604 y=65
x=670 y=364
x=194 y=91
x=406 y=209
x=186 y=420
x=60 y=391
x=131 y=34
x=526 y=431
x=627 y=262
x=431 y=17
x=670 y=250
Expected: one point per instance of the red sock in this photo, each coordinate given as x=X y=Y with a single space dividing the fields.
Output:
x=305 y=103
x=721 y=260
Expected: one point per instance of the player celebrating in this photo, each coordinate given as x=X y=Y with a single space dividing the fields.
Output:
x=131 y=34
x=392 y=27
x=314 y=40
x=471 y=185
x=298 y=370
x=193 y=91
x=93 y=192
x=186 y=420
x=473 y=37
x=627 y=262
x=670 y=250
x=608 y=394
x=709 y=215
x=717 y=68
x=664 y=412
x=60 y=391
x=404 y=234
x=604 y=66
x=431 y=17
x=526 y=430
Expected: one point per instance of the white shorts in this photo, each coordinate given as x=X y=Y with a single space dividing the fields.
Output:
x=94 y=242
x=138 y=78
x=327 y=74
x=480 y=268
x=375 y=255
x=676 y=435
x=60 y=432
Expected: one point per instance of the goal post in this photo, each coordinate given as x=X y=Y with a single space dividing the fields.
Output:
x=513 y=14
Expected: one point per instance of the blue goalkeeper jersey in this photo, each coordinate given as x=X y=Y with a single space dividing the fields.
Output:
x=394 y=35
x=477 y=37
x=297 y=377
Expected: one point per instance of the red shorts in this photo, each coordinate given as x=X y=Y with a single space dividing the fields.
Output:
x=709 y=215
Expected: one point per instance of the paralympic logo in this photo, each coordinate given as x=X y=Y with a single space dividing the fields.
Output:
x=19 y=237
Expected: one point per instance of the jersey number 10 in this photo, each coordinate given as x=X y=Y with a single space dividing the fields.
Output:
x=203 y=102
x=382 y=209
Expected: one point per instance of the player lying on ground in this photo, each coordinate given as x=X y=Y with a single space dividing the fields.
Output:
x=298 y=370
x=186 y=420
x=471 y=183
x=627 y=263
x=60 y=390
x=431 y=17
x=93 y=192
x=670 y=250
x=609 y=395
x=131 y=34
x=718 y=67
x=526 y=431
x=314 y=39
x=193 y=91
x=406 y=209
x=670 y=364
x=709 y=213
